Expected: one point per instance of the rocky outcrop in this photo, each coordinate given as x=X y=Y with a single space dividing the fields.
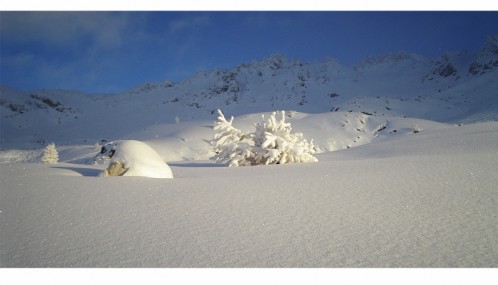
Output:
x=115 y=169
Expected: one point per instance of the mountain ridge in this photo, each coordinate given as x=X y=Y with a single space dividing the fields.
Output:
x=456 y=87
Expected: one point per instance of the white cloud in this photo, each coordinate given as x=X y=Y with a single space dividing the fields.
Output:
x=187 y=23
x=21 y=60
x=62 y=29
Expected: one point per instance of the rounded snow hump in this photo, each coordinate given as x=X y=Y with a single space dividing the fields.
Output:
x=135 y=158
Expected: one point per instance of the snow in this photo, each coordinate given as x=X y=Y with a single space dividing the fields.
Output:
x=416 y=200
x=140 y=160
x=380 y=195
x=388 y=85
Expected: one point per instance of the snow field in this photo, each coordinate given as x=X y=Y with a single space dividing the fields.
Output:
x=415 y=200
x=380 y=195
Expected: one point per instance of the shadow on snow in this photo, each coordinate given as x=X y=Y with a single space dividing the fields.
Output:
x=83 y=171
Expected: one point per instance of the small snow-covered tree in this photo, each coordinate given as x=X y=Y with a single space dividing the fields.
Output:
x=229 y=143
x=271 y=143
x=50 y=154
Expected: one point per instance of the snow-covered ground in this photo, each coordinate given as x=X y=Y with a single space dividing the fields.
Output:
x=407 y=152
x=413 y=200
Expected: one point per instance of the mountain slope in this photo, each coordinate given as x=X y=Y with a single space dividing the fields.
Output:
x=455 y=88
x=400 y=182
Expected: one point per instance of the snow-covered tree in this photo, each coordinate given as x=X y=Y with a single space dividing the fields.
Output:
x=271 y=143
x=229 y=143
x=236 y=154
x=275 y=144
x=50 y=154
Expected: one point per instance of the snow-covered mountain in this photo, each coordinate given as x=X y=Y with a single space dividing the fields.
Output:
x=457 y=87
x=399 y=181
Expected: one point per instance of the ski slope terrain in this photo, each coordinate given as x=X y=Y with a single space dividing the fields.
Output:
x=407 y=152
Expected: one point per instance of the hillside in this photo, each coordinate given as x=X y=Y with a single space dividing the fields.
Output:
x=406 y=173
x=458 y=87
x=414 y=200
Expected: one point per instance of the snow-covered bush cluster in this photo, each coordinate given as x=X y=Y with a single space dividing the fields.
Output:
x=271 y=143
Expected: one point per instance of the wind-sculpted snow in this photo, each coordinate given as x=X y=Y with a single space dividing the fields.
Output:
x=136 y=158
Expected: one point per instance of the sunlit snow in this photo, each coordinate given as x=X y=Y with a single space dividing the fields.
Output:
x=406 y=173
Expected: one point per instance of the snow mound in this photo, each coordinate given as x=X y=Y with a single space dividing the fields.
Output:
x=139 y=159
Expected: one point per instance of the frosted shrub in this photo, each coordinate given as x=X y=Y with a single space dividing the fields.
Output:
x=275 y=144
x=271 y=143
x=229 y=143
x=50 y=154
x=236 y=154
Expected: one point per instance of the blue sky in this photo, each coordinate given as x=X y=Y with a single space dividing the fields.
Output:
x=106 y=52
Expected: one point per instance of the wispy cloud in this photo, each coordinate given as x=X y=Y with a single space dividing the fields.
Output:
x=64 y=49
x=185 y=23
x=20 y=60
x=265 y=19
x=62 y=29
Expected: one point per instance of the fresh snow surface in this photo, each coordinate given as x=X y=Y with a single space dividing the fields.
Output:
x=407 y=151
x=409 y=200
x=140 y=160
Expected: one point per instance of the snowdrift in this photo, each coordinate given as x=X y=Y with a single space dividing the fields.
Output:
x=135 y=158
